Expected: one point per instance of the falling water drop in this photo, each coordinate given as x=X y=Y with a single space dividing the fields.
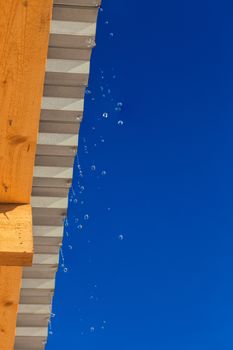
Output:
x=121 y=237
x=120 y=122
x=105 y=115
x=82 y=188
x=86 y=217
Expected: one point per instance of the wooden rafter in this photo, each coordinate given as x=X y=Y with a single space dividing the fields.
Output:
x=16 y=244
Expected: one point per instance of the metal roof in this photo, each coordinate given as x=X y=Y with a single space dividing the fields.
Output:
x=72 y=37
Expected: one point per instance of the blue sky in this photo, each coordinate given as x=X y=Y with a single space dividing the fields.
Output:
x=148 y=246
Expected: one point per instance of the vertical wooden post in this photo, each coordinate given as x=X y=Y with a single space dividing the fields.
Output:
x=10 y=283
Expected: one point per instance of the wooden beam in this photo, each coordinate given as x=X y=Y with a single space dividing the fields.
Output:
x=16 y=242
x=24 y=33
x=10 y=283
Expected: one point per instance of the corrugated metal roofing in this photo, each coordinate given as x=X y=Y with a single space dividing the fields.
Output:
x=72 y=38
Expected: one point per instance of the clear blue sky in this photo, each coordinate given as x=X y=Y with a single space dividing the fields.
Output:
x=167 y=176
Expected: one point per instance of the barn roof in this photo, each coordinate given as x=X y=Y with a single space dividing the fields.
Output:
x=72 y=37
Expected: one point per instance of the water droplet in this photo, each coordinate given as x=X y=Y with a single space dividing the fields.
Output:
x=93 y=167
x=103 y=95
x=111 y=34
x=86 y=217
x=92 y=329
x=101 y=9
x=102 y=140
x=91 y=297
x=52 y=314
x=75 y=201
x=70 y=247
x=120 y=122
x=106 y=22
x=88 y=92
x=51 y=332
x=105 y=115
x=80 y=227
x=121 y=237
x=82 y=188
x=103 y=172
x=65 y=269
x=102 y=327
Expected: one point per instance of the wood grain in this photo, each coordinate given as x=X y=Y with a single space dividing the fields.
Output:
x=24 y=33
x=16 y=242
x=10 y=283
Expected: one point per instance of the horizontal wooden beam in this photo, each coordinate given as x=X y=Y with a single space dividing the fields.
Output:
x=10 y=283
x=24 y=33
x=16 y=242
